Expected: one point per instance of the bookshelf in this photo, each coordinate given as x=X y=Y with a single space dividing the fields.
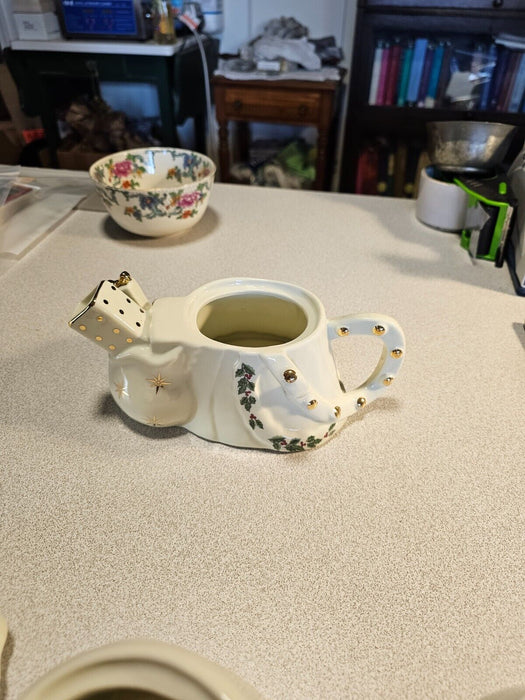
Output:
x=425 y=60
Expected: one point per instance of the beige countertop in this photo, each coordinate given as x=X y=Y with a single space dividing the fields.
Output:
x=387 y=563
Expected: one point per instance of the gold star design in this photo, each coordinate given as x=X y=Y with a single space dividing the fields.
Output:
x=120 y=389
x=154 y=422
x=158 y=382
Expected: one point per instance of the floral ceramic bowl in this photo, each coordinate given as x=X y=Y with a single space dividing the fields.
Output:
x=154 y=191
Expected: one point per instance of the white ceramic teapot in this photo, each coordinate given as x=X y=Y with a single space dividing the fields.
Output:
x=247 y=362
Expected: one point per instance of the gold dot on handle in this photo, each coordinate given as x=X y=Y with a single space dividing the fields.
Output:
x=98 y=337
x=129 y=340
x=343 y=331
x=111 y=347
x=82 y=327
x=396 y=353
x=312 y=404
x=378 y=330
x=337 y=411
x=290 y=376
x=388 y=380
x=361 y=401
x=116 y=331
x=100 y=318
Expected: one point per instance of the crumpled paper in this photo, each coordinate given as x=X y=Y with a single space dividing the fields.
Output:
x=299 y=51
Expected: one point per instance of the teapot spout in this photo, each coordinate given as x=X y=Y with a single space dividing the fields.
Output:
x=114 y=315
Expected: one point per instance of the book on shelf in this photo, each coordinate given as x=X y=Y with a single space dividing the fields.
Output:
x=410 y=175
x=518 y=87
x=416 y=70
x=498 y=77
x=376 y=69
x=383 y=73
x=393 y=72
x=429 y=99
x=444 y=74
x=508 y=82
x=367 y=170
x=512 y=41
x=400 y=165
x=405 y=65
x=385 y=167
x=492 y=58
x=425 y=75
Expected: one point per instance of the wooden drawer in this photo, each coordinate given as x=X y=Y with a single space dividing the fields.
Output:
x=272 y=105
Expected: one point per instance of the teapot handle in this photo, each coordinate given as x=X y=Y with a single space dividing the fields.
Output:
x=389 y=331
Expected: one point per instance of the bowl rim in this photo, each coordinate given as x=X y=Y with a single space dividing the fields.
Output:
x=97 y=163
x=436 y=123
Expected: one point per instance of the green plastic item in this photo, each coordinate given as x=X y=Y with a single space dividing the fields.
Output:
x=494 y=196
x=298 y=158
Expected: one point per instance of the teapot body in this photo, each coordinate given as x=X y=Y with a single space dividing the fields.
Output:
x=246 y=362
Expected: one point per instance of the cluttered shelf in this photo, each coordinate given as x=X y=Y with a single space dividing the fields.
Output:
x=392 y=150
x=284 y=78
x=474 y=73
x=69 y=86
x=389 y=167
x=415 y=63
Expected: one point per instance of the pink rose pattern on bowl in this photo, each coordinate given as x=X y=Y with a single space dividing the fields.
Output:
x=152 y=183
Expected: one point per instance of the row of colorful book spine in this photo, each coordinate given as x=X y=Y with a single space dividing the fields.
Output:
x=390 y=167
x=429 y=73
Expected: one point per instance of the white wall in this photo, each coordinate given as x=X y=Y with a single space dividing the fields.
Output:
x=7 y=24
x=245 y=19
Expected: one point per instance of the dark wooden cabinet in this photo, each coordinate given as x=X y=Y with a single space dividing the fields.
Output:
x=48 y=79
x=464 y=25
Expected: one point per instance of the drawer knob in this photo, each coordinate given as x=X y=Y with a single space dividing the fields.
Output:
x=237 y=105
x=303 y=110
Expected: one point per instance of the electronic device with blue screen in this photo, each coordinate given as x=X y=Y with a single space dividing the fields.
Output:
x=105 y=19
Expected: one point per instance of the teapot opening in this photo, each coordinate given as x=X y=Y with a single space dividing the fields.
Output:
x=252 y=320
x=123 y=694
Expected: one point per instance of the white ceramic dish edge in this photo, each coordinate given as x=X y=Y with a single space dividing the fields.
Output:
x=167 y=670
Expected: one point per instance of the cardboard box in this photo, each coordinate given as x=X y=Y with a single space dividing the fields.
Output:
x=10 y=146
x=10 y=96
x=77 y=160
x=32 y=6
x=37 y=25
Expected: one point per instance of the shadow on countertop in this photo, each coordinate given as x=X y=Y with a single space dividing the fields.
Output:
x=4 y=662
x=107 y=407
x=441 y=263
x=205 y=227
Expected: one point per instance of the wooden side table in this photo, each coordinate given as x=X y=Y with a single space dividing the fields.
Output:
x=297 y=102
